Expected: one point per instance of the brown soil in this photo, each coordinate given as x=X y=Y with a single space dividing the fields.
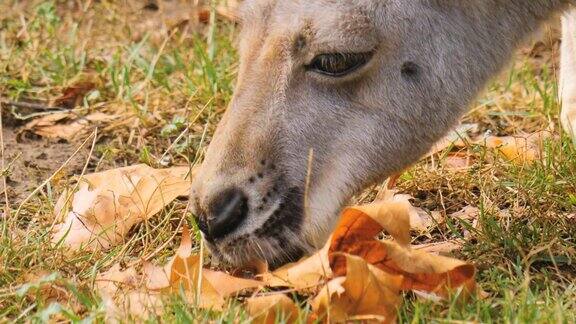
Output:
x=30 y=161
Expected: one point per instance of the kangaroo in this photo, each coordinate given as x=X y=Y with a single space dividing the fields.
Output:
x=333 y=96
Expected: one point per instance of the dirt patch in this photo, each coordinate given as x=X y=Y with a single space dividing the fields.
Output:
x=30 y=161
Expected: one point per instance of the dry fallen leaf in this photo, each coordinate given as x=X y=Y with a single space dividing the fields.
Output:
x=443 y=247
x=306 y=273
x=65 y=125
x=48 y=287
x=354 y=277
x=138 y=295
x=116 y=279
x=109 y=203
x=420 y=220
x=457 y=138
x=270 y=309
x=186 y=272
x=458 y=161
x=365 y=290
x=427 y=272
x=421 y=271
x=468 y=213
x=74 y=94
x=365 y=275
x=520 y=149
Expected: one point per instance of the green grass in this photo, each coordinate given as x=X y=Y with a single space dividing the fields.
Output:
x=524 y=245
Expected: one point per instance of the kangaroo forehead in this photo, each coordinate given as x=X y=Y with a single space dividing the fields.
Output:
x=331 y=25
x=286 y=11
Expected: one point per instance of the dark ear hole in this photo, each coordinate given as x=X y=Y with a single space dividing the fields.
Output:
x=410 y=69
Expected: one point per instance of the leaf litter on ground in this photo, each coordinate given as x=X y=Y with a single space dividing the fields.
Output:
x=354 y=276
x=519 y=148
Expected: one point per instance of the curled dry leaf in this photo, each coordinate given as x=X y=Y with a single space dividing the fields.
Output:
x=65 y=125
x=74 y=94
x=364 y=276
x=187 y=272
x=139 y=294
x=427 y=272
x=364 y=290
x=109 y=203
x=420 y=270
x=420 y=220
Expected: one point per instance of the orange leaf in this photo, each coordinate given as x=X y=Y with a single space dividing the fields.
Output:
x=355 y=235
x=186 y=272
x=356 y=232
x=365 y=290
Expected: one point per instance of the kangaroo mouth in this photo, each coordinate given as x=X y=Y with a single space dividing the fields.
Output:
x=279 y=240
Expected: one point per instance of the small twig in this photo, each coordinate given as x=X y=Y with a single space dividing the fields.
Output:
x=30 y=105
x=2 y=158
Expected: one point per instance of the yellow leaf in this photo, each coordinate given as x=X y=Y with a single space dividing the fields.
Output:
x=271 y=309
x=393 y=217
x=306 y=273
x=520 y=149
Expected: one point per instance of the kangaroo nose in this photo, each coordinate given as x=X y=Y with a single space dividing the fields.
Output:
x=226 y=212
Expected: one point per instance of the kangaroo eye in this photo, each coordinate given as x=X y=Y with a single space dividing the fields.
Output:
x=338 y=64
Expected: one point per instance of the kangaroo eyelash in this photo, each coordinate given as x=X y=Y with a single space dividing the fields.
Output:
x=338 y=64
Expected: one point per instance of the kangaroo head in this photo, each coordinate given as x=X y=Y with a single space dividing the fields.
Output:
x=333 y=96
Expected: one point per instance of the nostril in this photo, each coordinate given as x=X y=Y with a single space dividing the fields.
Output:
x=227 y=211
